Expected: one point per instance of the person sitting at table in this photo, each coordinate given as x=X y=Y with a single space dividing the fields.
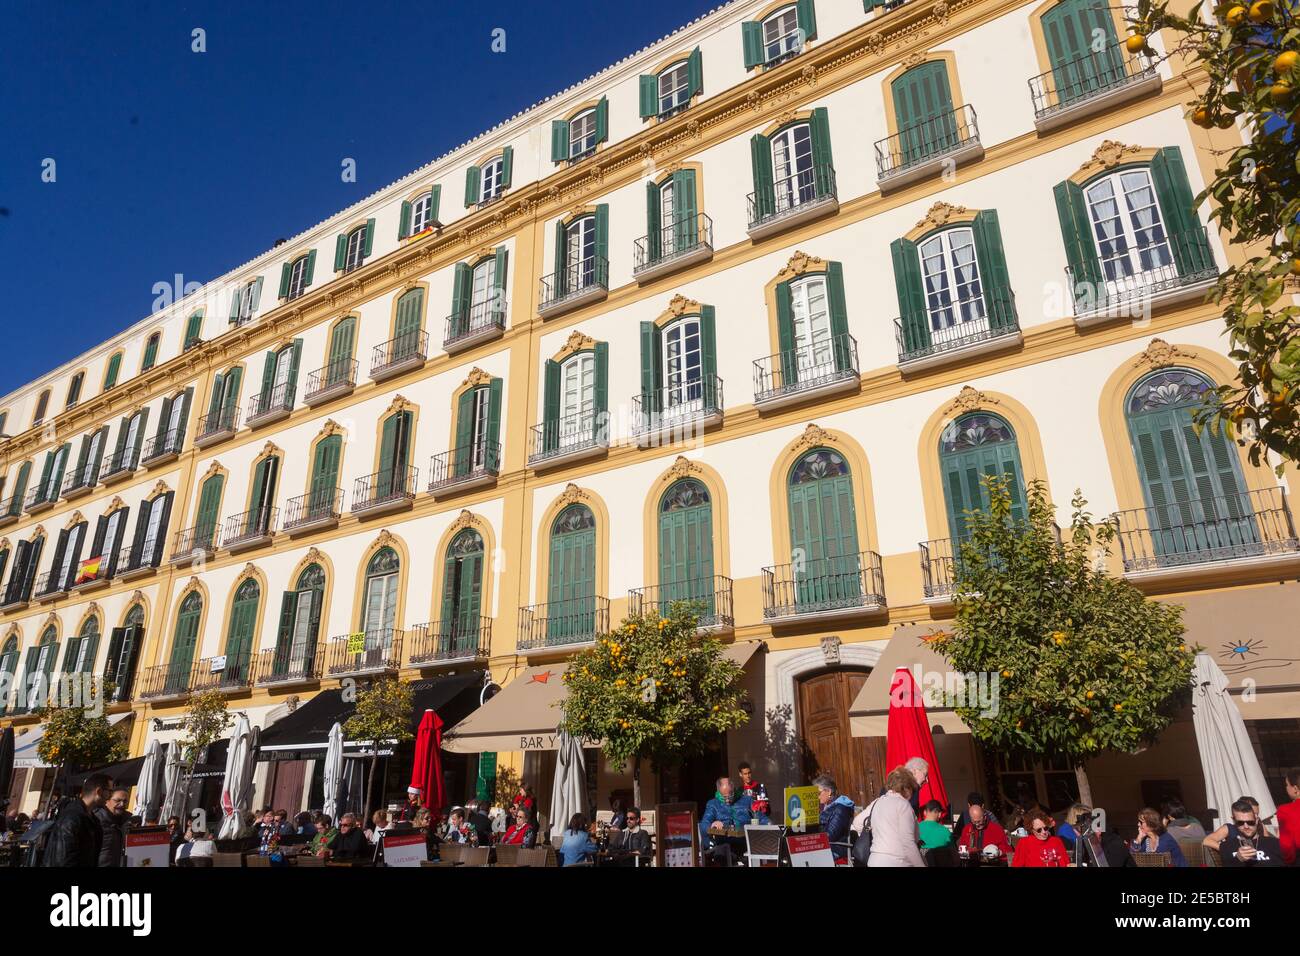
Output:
x=576 y=844
x=1180 y=824
x=1152 y=837
x=349 y=842
x=981 y=829
x=460 y=830
x=631 y=841
x=303 y=825
x=1216 y=839
x=1068 y=831
x=325 y=833
x=724 y=812
x=378 y=827
x=1042 y=848
x=521 y=832
x=1247 y=844
x=525 y=799
x=835 y=815
x=934 y=835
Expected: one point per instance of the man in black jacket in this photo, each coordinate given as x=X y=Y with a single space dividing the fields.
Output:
x=113 y=818
x=1245 y=845
x=630 y=842
x=75 y=838
x=350 y=843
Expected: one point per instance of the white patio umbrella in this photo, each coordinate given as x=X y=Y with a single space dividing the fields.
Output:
x=173 y=773
x=569 y=791
x=1227 y=758
x=333 y=771
x=148 y=789
x=237 y=785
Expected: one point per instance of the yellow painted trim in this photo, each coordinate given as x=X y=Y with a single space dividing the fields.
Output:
x=385 y=539
x=679 y=307
x=467 y=521
x=477 y=378
x=92 y=612
x=250 y=572
x=269 y=450
x=1103 y=163
x=324 y=562
x=799 y=266
x=143 y=600
x=954 y=82
x=103 y=385
x=168 y=643
x=682 y=469
x=1039 y=37
x=328 y=430
x=787 y=119
x=399 y=404
x=951 y=216
x=577 y=342
x=542 y=546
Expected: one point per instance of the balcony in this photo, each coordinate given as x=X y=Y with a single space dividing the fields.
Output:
x=955 y=332
x=93 y=573
x=228 y=673
x=41 y=499
x=676 y=413
x=579 y=284
x=479 y=323
x=271 y=406
x=385 y=492
x=938 y=572
x=925 y=148
x=1234 y=537
x=165 y=681
x=249 y=530
x=119 y=466
x=365 y=653
x=825 y=368
x=296 y=664
x=316 y=511
x=11 y=509
x=466 y=467
x=566 y=440
x=824 y=589
x=675 y=246
x=50 y=586
x=1092 y=84
x=792 y=201
x=164 y=448
x=562 y=624
x=195 y=544
x=449 y=642
x=132 y=563
x=335 y=380
x=1175 y=270
x=408 y=351
x=80 y=482
x=709 y=599
x=217 y=427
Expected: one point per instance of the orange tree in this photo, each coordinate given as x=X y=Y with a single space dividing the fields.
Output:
x=77 y=737
x=653 y=690
x=1250 y=54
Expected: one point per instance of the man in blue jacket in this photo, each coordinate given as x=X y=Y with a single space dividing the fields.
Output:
x=835 y=815
x=726 y=811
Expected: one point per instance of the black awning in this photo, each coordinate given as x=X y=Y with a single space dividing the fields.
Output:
x=125 y=773
x=302 y=734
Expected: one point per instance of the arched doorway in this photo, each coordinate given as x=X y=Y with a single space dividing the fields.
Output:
x=572 y=578
x=462 y=594
x=856 y=763
x=823 y=530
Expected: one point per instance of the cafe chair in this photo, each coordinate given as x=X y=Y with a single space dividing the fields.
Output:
x=1191 y=851
x=531 y=856
x=1210 y=856
x=1157 y=860
x=508 y=855
x=228 y=859
x=475 y=855
x=763 y=844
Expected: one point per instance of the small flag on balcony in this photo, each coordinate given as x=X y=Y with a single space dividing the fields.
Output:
x=88 y=570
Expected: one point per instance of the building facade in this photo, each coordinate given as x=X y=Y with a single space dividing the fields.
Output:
x=741 y=320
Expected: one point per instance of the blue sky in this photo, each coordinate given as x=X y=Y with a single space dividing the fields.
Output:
x=168 y=161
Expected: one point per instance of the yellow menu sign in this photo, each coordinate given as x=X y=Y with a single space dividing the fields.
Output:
x=357 y=642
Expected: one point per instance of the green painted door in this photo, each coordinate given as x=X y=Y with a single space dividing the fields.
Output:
x=970 y=448
x=686 y=548
x=341 y=344
x=923 y=111
x=325 y=475
x=239 y=641
x=823 y=532
x=571 y=611
x=205 y=525
x=183 y=644
x=462 y=594
x=406 y=340
x=1082 y=48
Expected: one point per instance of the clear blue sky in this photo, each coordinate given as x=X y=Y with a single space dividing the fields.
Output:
x=170 y=161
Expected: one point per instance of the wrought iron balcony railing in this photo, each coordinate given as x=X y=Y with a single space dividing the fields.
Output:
x=1088 y=77
x=928 y=140
x=821 y=585
x=952 y=325
x=562 y=437
x=249 y=527
x=938 y=569
x=440 y=642
x=339 y=377
x=130 y=560
x=578 y=279
x=166 y=445
x=1128 y=279
x=199 y=541
x=672 y=242
x=217 y=424
x=166 y=680
x=480 y=321
x=273 y=403
x=681 y=407
x=808 y=368
x=319 y=507
x=366 y=652
x=398 y=354
x=563 y=623
x=708 y=598
x=805 y=190
x=477 y=463
x=385 y=489
x=291 y=664
x=81 y=480
x=228 y=672
x=119 y=463
x=49 y=583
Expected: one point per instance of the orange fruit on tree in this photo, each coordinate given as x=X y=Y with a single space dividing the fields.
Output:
x=1261 y=11
x=1285 y=62
x=1279 y=93
x=1201 y=117
x=1236 y=16
x=1295 y=267
x=1135 y=43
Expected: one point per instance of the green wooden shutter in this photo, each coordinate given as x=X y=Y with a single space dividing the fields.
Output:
x=559 y=140
x=182 y=655
x=1078 y=68
x=649 y=89
x=387 y=453
x=184 y=420
x=602 y=120
x=993 y=270
x=20 y=488
x=760 y=152
x=284 y=633
x=654 y=239
x=709 y=357
x=239 y=641
x=82 y=454
x=551 y=406
x=911 y=295
x=839 y=314
x=788 y=360
x=686 y=230
x=507 y=166
x=114 y=367
x=823 y=162
x=600 y=387
x=193 y=328
x=341 y=341
x=231 y=398
x=602 y=244
x=286 y=270
x=309 y=270
x=256 y=299
x=268 y=379
x=47 y=469
x=150 y=353
x=60 y=466
x=463 y=452
x=235 y=305
x=462 y=293
x=209 y=501
x=923 y=111
x=340 y=251
x=964 y=490
x=143 y=415
x=1080 y=253
x=261 y=474
x=119 y=450
x=404 y=223
x=823 y=529
x=325 y=469
x=751 y=33
x=498 y=291
x=1187 y=238
x=493 y=452
x=369 y=240
x=561 y=258
x=807 y=14
x=291 y=387
x=651 y=372
x=473 y=185
x=695 y=73
x=409 y=309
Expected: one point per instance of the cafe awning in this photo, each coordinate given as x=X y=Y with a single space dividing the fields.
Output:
x=525 y=714
x=869 y=712
x=303 y=734
x=25 y=754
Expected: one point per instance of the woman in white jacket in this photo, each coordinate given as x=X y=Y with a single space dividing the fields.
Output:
x=895 y=840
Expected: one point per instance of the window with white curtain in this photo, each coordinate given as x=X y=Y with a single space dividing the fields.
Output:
x=1126 y=225
x=950 y=271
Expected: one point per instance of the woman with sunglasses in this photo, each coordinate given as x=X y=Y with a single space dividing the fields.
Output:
x=1153 y=838
x=1041 y=847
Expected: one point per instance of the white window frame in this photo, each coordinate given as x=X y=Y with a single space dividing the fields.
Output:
x=782 y=35
x=582 y=134
x=94 y=453
x=110 y=533
x=577 y=397
x=297 y=277
x=950 y=300
x=421 y=213
x=673 y=88
x=388 y=584
x=681 y=360
x=810 y=319
x=491 y=176
x=793 y=168
x=479 y=431
x=580 y=237
x=1134 y=264
x=354 y=255
x=482 y=288
x=246 y=303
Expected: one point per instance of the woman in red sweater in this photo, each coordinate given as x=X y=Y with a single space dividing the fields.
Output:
x=1288 y=819
x=1040 y=848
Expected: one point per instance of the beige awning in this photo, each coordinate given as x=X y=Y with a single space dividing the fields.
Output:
x=524 y=715
x=869 y=712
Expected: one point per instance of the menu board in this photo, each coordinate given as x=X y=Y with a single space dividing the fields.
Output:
x=405 y=849
x=810 y=849
x=148 y=847
x=677 y=840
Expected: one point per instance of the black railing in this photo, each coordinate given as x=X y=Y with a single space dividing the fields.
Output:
x=1128 y=277
x=128 y=559
x=1079 y=80
x=297 y=662
x=50 y=582
x=318 y=506
x=441 y=641
x=340 y=374
x=365 y=652
x=474 y=321
x=561 y=623
x=80 y=479
x=811 y=367
x=1251 y=524
x=223 y=420
x=121 y=462
x=166 y=680
x=672 y=241
x=160 y=446
x=563 y=436
x=273 y=400
x=927 y=140
x=384 y=488
x=574 y=280
x=250 y=526
x=938 y=568
x=676 y=407
x=11 y=507
x=805 y=189
x=201 y=539
x=225 y=673
x=40 y=495
x=92 y=569
x=951 y=324
x=708 y=598
x=409 y=347
x=466 y=463
x=823 y=584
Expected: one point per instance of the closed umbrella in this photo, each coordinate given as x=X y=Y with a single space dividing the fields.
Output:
x=6 y=764
x=1227 y=759
x=148 y=789
x=426 y=772
x=237 y=784
x=569 y=791
x=173 y=785
x=908 y=735
x=333 y=771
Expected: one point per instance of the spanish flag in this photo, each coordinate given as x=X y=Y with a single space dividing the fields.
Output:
x=88 y=570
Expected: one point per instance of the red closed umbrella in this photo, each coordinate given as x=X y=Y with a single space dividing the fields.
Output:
x=426 y=774
x=909 y=734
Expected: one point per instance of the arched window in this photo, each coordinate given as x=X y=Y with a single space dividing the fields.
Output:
x=410 y=317
x=379 y=608
x=1197 y=504
x=352 y=249
x=184 y=643
x=478 y=427
x=973 y=446
x=923 y=112
x=686 y=547
x=205 y=523
x=243 y=628
x=395 y=476
x=279 y=381
x=462 y=594
x=342 y=341
x=123 y=651
x=38 y=675
x=1074 y=30
x=571 y=594
x=296 y=276
x=323 y=494
x=300 y=615
x=151 y=352
x=8 y=668
x=79 y=655
x=823 y=531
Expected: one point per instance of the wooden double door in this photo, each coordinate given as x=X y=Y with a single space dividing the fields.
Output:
x=856 y=763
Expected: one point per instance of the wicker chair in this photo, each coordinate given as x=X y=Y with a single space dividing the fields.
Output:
x=508 y=855
x=535 y=856
x=1210 y=856
x=1191 y=852
x=1157 y=860
x=228 y=859
x=475 y=855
